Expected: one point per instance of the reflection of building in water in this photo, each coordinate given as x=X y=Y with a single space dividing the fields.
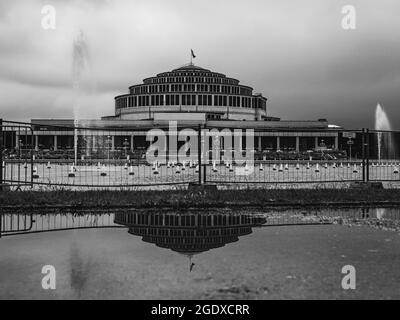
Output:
x=189 y=233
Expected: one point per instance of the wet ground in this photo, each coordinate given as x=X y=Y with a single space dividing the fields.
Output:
x=274 y=262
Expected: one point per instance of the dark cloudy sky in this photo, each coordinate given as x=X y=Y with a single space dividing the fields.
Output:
x=294 y=52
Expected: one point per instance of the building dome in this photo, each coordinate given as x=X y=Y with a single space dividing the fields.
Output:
x=190 y=67
x=191 y=233
x=190 y=92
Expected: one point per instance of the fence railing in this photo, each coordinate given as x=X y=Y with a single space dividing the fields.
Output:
x=25 y=223
x=38 y=156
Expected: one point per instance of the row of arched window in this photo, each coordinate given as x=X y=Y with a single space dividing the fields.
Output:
x=178 y=79
x=191 y=77
x=190 y=100
x=143 y=89
x=185 y=220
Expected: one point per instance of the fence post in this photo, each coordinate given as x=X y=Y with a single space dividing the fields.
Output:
x=205 y=155
x=31 y=155
x=199 y=152
x=368 y=155
x=363 y=153
x=1 y=169
x=1 y=157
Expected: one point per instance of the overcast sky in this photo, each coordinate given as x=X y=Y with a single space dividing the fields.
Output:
x=294 y=52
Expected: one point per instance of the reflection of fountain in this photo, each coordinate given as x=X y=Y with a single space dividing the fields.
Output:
x=80 y=269
x=380 y=212
x=80 y=60
x=382 y=123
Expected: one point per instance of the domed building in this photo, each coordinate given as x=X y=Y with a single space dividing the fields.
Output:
x=192 y=96
x=190 y=92
x=190 y=233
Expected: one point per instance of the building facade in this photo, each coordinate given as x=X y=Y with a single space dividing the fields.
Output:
x=206 y=95
x=192 y=96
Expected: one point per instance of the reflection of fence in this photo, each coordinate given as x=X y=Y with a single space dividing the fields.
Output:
x=192 y=221
x=34 y=155
x=13 y=224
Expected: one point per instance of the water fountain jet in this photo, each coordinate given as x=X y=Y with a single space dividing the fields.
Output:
x=80 y=60
x=382 y=123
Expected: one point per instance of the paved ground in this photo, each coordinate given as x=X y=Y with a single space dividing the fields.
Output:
x=271 y=263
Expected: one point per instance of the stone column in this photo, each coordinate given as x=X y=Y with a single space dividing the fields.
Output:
x=216 y=148
x=37 y=143
x=132 y=142
x=278 y=143
x=55 y=142
x=240 y=139
x=112 y=143
x=17 y=137
x=336 y=142
x=297 y=143
x=94 y=143
x=259 y=143
x=316 y=142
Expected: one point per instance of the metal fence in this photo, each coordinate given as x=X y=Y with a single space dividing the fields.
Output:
x=25 y=223
x=50 y=157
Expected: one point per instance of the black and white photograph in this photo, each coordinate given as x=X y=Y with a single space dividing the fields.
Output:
x=198 y=156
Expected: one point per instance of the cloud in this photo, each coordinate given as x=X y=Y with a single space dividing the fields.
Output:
x=295 y=53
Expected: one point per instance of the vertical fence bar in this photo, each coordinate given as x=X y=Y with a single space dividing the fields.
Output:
x=19 y=156
x=368 y=155
x=1 y=169
x=205 y=155
x=363 y=153
x=199 y=153
x=31 y=156
x=1 y=158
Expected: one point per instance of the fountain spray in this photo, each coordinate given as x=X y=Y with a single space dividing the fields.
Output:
x=80 y=61
x=382 y=123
